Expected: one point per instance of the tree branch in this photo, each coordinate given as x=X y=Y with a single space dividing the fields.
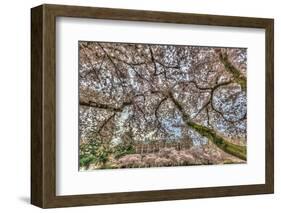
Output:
x=239 y=78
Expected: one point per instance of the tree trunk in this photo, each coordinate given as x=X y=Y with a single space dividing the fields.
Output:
x=228 y=147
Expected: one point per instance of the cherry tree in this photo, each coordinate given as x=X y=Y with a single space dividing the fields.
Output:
x=151 y=92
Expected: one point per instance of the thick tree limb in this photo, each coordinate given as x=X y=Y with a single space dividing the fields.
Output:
x=239 y=78
x=228 y=147
x=220 y=142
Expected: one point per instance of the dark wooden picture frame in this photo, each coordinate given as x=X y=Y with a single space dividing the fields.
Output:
x=43 y=105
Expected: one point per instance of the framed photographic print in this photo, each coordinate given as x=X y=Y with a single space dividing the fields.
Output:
x=137 y=106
